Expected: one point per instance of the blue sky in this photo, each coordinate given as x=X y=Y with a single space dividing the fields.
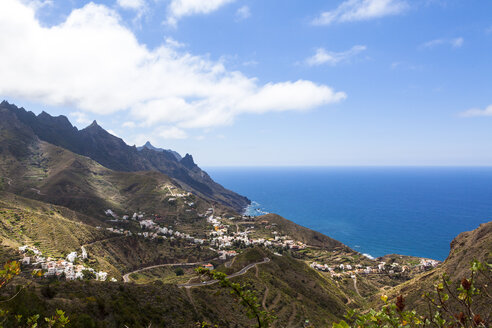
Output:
x=255 y=82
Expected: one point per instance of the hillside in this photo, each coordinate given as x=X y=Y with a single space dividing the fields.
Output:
x=305 y=235
x=112 y=152
x=36 y=169
x=465 y=248
x=131 y=240
x=285 y=285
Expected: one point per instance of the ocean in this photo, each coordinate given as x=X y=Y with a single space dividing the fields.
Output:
x=375 y=210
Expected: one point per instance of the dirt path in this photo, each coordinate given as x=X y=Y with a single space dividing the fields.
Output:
x=190 y=297
x=101 y=240
x=265 y=294
x=275 y=301
x=230 y=263
x=292 y=316
x=355 y=286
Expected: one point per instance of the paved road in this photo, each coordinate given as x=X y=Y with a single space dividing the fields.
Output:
x=126 y=277
x=37 y=191
x=239 y=273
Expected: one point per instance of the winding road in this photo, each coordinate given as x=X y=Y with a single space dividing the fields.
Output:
x=126 y=277
x=239 y=273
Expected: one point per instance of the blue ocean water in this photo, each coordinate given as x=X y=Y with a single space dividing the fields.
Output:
x=378 y=211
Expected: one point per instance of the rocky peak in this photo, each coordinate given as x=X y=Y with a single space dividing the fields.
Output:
x=94 y=125
x=94 y=128
x=60 y=121
x=188 y=162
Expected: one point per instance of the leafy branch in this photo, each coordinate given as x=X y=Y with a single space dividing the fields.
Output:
x=246 y=297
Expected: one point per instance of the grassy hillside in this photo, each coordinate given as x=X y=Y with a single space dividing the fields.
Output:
x=466 y=247
x=286 y=286
x=57 y=231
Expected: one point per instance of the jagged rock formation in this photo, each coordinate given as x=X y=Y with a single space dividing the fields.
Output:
x=113 y=153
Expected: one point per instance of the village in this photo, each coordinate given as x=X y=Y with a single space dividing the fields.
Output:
x=382 y=267
x=60 y=268
x=224 y=237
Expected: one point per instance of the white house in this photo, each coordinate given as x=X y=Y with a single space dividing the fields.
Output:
x=101 y=275
x=84 y=253
x=72 y=256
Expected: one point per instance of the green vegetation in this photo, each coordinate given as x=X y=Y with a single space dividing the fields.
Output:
x=55 y=200
x=247 y=297
x=447 y=306
x=11 y=319
x=165 y=275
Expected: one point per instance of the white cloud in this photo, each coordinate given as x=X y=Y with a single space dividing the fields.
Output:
x=132 y=4
x=181 y=8
x=455 y=43
x=359 y=10
x=92 y=63
x=173 y=43
x=243 y=13
x=138 y=6
x=332 y=58
x=80 y=117
x=129 y=125
x=172 y=133
x=38 y=4
x=250 y=63
x=477 y=112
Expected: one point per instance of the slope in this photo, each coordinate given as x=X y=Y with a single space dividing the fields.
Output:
x=113 y=153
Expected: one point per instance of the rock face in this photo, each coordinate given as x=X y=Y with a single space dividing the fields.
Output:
x=148 y=145
x=113 y=153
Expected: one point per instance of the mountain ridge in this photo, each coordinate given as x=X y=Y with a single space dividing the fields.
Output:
x=113 y=153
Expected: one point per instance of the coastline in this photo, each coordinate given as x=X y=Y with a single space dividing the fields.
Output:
x=415 y=212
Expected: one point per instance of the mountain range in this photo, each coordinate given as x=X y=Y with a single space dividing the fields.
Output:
x=146 y=216
x=113 y=153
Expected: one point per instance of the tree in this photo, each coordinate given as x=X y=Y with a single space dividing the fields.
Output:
x=246 y=297
x=448 y=306
x=88 y=274
x=9 y=271
x=179 y=271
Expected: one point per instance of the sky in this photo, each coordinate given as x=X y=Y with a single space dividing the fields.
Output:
x=263 y=82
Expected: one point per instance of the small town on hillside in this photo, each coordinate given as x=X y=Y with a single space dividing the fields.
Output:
x=223 y=238
x=69 y=268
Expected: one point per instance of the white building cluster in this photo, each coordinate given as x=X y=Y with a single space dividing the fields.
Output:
x=380 y=268
x=222 y=238
x=50 y=267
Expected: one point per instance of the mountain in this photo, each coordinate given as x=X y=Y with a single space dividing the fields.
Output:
x=465 y=248
x=113 y=153
x=148 y=145
x=37 y=169
x=55 y=195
